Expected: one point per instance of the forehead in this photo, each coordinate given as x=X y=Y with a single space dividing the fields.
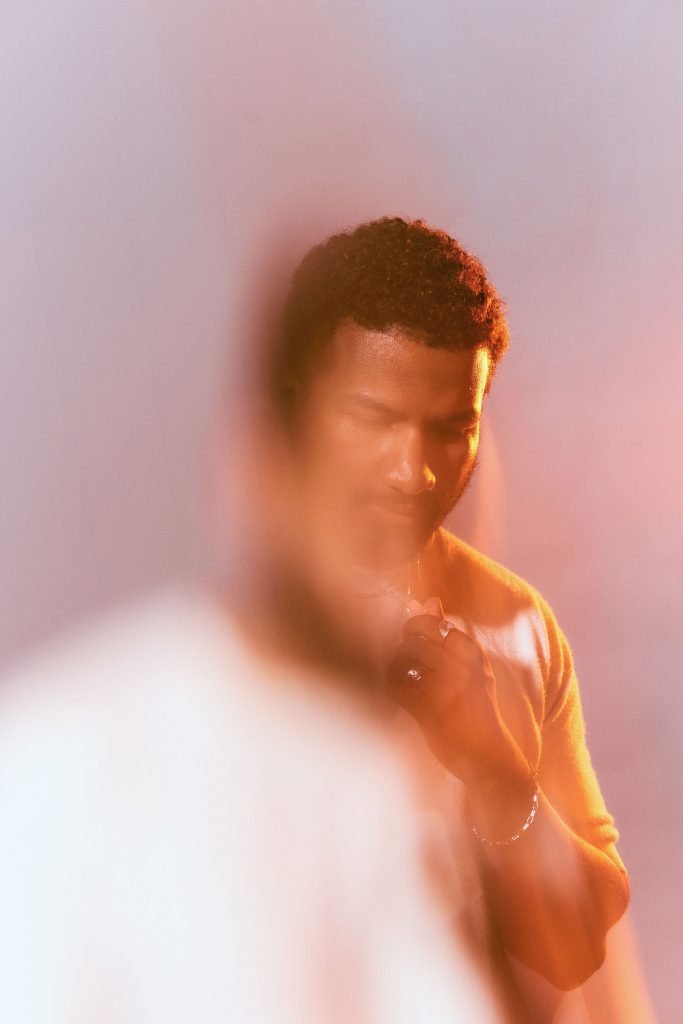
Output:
x=395 y=366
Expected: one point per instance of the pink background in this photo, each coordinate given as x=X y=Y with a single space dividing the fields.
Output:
x=146 y=147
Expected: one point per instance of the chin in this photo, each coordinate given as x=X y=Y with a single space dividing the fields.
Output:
x=398 y=548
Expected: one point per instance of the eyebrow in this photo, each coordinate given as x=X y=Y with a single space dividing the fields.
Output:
x=462 y=416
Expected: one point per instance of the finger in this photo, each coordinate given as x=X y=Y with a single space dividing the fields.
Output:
x=434 y=607
x=434 y=629
x=420 y=650
x=445 y=650
x=414 y=608
x=444 y=666
x=406 y=691
x=422 y=625
x=409 y=698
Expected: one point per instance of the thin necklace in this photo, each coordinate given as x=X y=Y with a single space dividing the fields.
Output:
x=390 y=588
x=414 y=578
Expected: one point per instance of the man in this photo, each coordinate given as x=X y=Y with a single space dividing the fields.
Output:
x=386 y=350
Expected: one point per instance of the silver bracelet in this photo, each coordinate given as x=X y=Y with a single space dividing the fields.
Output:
x=525 y=826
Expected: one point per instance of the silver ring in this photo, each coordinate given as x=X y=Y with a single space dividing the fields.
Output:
x=414 y=676
x=445 y=627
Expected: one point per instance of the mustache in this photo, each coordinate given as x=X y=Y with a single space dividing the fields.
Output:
x=430 y=504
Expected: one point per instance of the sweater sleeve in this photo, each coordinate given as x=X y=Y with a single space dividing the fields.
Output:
x=565 y=772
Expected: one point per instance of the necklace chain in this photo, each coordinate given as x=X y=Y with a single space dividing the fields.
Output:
x=414 y=578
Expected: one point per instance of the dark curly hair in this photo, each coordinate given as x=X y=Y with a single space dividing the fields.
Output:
x=387 y=272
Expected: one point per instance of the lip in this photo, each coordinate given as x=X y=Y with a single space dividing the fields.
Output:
x=404 y=513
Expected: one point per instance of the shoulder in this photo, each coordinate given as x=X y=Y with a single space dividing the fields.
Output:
x=481 y=581
x=502 y=607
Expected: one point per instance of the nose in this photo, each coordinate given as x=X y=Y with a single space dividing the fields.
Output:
x=411 y=473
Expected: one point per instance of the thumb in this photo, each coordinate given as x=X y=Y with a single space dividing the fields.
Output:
x=415 y=608
x=433 y=606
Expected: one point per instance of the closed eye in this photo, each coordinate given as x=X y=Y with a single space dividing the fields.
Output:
x=456 y=430
x=374 y=418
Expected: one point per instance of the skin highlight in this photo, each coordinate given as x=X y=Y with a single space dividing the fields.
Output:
x=387 y=441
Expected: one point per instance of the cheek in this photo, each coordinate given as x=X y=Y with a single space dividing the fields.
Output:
x=341 y=456
x=453 y=463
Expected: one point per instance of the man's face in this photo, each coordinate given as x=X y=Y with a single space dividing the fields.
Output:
x=387 y=443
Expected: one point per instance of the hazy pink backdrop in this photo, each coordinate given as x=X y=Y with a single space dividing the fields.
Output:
x=148 y=147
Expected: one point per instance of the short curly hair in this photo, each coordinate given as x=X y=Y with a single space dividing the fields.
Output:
x=388 y=273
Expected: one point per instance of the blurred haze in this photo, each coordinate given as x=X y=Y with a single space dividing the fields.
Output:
x=147 y=151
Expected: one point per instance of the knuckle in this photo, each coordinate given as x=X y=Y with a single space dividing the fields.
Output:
x=417 y=623
x=416 y=647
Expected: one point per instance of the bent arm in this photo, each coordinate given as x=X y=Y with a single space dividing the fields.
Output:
x=552 y=895
x=555 y=892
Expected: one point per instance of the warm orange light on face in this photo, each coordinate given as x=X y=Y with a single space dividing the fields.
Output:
x=389 y=440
